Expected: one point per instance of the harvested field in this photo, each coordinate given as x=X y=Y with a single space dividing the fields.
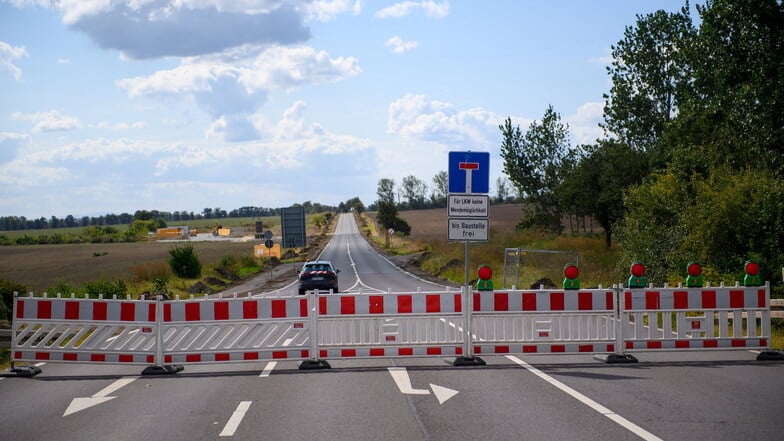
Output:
x=40 y=267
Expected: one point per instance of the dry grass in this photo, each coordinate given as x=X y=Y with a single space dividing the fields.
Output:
x=149 y=271
x=446 y=259
x=42 y=267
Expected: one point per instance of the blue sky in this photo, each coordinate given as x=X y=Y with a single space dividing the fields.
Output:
x=180 y=105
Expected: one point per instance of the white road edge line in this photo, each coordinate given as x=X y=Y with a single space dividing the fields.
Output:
x=623 y=422
x=236 y=419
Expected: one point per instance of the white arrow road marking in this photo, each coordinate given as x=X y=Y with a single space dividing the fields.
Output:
x=403 y=381
x=236 y=419
x=400 y=375
x=442 y=393
x=80 y=403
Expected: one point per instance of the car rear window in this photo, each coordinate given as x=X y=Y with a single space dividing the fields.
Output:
x=317 y=267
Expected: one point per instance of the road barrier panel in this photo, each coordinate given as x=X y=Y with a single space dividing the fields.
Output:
x=84 y=330
x=697 y=318
x=236 y=329
x=545 y=321
x=389 y=325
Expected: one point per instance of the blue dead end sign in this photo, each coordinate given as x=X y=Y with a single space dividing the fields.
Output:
x=469 y=172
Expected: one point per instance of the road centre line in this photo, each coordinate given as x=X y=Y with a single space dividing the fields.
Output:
x=271 y=365
x=236 y=419
x=623 y=422
x=268 y=369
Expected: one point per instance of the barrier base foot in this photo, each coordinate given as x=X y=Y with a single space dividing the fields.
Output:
x=167 y=369
x=309 y=365
x=615 y=358
x=465 y=361
x=26 y=371
x=771 y=356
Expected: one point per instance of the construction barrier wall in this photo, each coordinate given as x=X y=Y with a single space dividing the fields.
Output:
x=322 y=326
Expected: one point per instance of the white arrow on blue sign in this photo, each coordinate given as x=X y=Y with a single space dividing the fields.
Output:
x=469 y=172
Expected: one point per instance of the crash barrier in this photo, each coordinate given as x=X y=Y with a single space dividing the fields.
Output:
x=319 y=326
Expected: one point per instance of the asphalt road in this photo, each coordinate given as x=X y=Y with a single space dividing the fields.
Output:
x=683 y=396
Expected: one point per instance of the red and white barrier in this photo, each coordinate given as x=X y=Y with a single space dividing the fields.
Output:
x=84 y=310
x=320 y=326
x=696 y=318
x=84 y=330
x=233 y=330
x=544 y=322
x=388 y=325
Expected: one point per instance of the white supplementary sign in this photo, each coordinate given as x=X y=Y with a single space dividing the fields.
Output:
x=468 y=205
x=469 y=229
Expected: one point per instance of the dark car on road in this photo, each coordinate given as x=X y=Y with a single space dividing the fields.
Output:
x=318 y=274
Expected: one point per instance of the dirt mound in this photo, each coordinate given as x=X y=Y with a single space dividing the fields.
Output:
x=200 y=288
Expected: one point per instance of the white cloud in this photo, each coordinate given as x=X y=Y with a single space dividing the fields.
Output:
x=9 y=54
x=274 y=69
x=430 y=8
x=231 y=92
x=285 y=68
x=325 y=10
x=51 y=121
x=584 y=124
x=121 y=126
x=399 y=46
x=144 y=29
x=414 y=118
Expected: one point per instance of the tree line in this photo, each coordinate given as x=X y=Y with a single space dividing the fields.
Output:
x=691 y=160
x=11 y=223
x=415 y=194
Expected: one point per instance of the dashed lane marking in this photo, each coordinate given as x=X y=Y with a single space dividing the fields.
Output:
x=236 y=418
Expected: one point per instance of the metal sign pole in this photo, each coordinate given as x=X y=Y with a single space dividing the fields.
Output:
x=467 y=258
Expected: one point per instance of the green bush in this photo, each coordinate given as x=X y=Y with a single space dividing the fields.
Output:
x=26 y=240
x=229 y=262
x=249 y=261
x=720 y=221
x=105 y=287
x=7 y=289
x=184 y=262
